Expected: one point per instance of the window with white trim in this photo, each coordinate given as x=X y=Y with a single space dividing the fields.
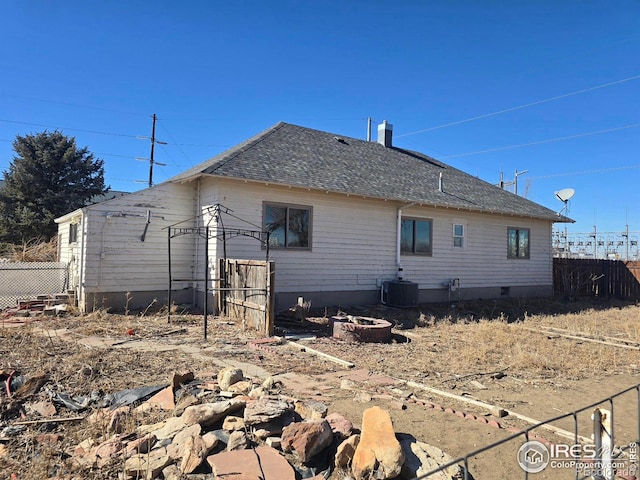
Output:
x=73 y=233
x=517 y=242
x=416 y=236
x=289 y=226
x=458 y=235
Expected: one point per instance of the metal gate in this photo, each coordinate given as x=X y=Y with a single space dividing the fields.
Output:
x=246 y=293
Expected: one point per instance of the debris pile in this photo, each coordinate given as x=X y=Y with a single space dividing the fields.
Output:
x=228 y=425
x=48 y=305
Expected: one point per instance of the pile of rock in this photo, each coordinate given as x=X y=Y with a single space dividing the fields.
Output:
x=239 y=429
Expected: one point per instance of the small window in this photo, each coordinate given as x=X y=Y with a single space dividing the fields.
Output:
x=73 y=233
x=517 y=242
x=458 y=235
x=415 y=236
x=289 y=226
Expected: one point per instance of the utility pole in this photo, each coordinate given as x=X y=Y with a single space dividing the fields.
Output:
x=515 y=180
x=153 y=144
x=503 y=184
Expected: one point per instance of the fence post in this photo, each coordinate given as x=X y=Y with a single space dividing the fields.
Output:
x=604 y=444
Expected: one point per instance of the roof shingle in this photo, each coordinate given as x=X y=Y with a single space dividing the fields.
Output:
x=302 y=157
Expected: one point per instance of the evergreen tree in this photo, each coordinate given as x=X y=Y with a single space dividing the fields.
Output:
x=48 y=177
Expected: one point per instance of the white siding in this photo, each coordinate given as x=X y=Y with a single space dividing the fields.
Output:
x=117 y=260
x=354 y=242
x=482 y=262
x=70 y=252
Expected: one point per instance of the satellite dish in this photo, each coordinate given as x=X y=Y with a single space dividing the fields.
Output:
x=565 y=194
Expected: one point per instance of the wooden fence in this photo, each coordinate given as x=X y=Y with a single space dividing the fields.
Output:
x=575 y=277
x=247 y=293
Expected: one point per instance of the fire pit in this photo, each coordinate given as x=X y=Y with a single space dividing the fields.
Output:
x=360 y=329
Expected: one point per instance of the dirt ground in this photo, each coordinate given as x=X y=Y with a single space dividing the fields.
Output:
x=502 y=353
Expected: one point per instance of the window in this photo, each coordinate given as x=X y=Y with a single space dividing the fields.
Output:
x=415 y=236
x=290 y=226
x=458 y=235
x=73 y=233
x=518 y=242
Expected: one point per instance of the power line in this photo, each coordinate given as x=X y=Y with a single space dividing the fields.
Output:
x=71 y=104
x=550 y=140
x=104 y=133
x=519 y=107
x=174 y=140
x=113 y=155
x=586 y=172
x=68 y=128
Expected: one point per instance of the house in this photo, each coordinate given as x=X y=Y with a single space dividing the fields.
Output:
x=345 y=216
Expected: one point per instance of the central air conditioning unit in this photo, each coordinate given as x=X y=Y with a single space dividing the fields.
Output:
x=400 y=293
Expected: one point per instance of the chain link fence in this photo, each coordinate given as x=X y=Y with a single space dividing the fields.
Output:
x=26 y=280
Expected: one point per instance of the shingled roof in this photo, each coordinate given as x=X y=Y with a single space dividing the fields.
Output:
x=296 y=156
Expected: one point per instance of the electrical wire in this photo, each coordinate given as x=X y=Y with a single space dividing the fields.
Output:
x=22 y=97
x=174 y=140
x=68 y=128
x=519 y=107
x=585 y=172
x=550 y=140
x=105 y=133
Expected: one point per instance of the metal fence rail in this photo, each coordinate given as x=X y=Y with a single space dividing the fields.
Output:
x=605 y=460
x=25 y=280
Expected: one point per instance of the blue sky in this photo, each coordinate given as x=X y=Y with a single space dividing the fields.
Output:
x=217 y=73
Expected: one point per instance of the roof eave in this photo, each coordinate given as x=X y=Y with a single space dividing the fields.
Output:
x=418 y=202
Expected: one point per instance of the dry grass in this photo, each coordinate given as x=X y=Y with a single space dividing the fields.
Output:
x=435 y=345
x=619 y=323
x=35 y=250
x=445 y=345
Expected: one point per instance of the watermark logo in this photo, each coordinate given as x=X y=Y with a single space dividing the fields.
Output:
x=533 y=457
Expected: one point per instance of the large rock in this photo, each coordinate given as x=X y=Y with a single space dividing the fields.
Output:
x=233 y=424
x=379 y=454
x=164 y=430
x=228 y=376
x=193 y=454
x=263 y=463
x=340 y=426
x=241 y=387
x=172 y=472
x=176 y=449
x=210 y=440
x=148 y=465
x=265 y=410
x=273 y=427
x=237 y=441
x=307 y=439
x=421 y=458
x=346 y=451
x=108 y=450
x=311 y=409
x=186 y=401
x=140 y=445
x=209 y=413
x=164 y=399
x=179 y=378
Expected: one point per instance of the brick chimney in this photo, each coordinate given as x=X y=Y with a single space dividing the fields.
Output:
x=385 y=132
